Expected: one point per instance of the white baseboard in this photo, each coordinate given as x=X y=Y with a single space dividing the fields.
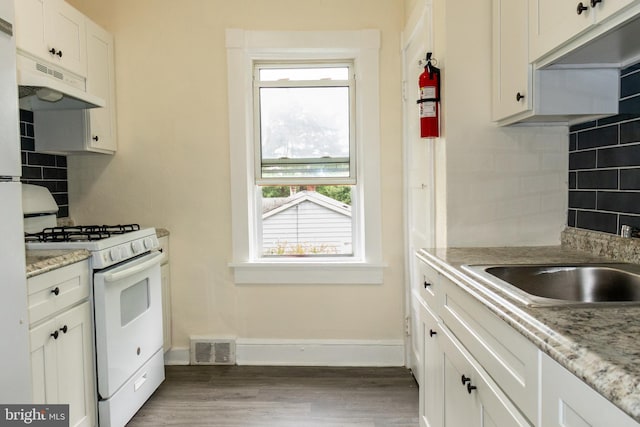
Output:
x=320 y=352
x=271 y=352
x=177 y=356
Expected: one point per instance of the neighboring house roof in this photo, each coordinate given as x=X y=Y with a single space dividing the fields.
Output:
x=274 y=205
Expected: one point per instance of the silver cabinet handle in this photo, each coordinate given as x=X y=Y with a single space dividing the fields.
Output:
x=6 y=27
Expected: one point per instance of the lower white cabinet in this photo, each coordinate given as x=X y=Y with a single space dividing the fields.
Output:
x=165 y=276
x=476 y=370
x=569 y=402
x=62 y=367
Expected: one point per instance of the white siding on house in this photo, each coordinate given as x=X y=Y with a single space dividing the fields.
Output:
x=310 y=225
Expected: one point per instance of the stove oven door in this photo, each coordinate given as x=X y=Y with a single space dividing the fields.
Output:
x=128 y=322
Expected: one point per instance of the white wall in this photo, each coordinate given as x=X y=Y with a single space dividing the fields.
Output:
x=172 y=165
x=496 y=186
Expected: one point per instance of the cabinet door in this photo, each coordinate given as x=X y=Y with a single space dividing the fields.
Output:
x=30 y=28
x=431 y=388
x=472 y=398
x=65 y=32
x=75 y=365
x=569 y=402
x=166 y=305
x=511 y=68
x=552 y=22
x=101 y=82
x=606 y=8
x=44 y=360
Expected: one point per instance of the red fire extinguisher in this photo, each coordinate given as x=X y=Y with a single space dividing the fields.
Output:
x=429 y=83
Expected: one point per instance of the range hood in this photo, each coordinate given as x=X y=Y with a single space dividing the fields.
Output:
x=43 y=86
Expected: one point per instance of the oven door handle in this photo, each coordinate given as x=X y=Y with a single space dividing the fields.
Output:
x=134 y=269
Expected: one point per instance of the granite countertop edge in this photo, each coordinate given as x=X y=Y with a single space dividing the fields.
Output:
x=614 y=378
x=42 y=261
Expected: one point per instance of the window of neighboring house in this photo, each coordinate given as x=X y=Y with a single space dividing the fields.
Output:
x=305 y=158
x=304 y=150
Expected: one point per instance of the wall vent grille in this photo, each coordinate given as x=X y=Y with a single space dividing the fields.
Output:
x=210 y=351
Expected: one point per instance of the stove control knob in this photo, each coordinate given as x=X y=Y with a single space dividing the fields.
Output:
x=114 y=254
x=124 y=252
x=148 y=243
x=136 y=247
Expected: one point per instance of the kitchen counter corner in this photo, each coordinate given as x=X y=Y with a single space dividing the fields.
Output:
x=42 y=261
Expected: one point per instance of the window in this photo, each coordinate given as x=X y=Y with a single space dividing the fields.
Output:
x=302 y=157
x=305 y=158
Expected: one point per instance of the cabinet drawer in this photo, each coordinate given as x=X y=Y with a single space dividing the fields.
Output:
x=509 y=358
x=51 y=292
x=429 y=285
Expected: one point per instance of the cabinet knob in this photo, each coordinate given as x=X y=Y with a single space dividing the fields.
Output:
x=595 y=2
x=64 y=329
x=426 y=284
x=52 y=51
x=95 y=138
x=55 y=335
x=465 y=380
x=55 y=291
x=470 y=388
x=432 y=332
x=59 y=54
x=519 y=96
x=581 y=8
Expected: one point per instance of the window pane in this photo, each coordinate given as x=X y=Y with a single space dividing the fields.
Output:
x=304 y=123
x=307 y=221
x=298 y=74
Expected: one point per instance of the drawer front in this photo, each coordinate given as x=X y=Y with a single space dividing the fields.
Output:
x=429 y=285
x=53 y=291
x=509 y=358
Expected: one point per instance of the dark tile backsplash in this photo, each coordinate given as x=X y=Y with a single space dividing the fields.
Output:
x=47 y=170
x=604 y=165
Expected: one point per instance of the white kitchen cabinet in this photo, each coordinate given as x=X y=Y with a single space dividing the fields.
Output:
x=93 y=130
x=555 y=22
x=54 y=31
x=471 y=397
x=512 y=72
x=431 y=384
x=522 y=94
x=61 y=340
x=569 y=402
x=165 y=274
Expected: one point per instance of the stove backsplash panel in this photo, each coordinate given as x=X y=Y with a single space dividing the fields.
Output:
x=47 y=170
x=604 y=165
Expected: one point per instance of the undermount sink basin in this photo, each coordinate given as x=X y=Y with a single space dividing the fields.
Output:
x=564 y=284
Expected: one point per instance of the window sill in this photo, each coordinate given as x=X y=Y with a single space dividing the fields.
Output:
x=319 y=272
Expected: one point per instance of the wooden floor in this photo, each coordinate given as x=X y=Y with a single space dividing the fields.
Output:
x=282 y=397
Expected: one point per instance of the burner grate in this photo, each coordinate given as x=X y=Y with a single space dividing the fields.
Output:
x=82 y=233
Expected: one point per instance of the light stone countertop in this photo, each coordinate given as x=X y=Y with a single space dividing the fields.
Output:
x=600 y=345
x=42 y=261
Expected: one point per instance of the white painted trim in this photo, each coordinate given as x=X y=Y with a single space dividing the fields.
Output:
x=320 y=352
x=308 y=273
x=177 y=356
x=243 y=47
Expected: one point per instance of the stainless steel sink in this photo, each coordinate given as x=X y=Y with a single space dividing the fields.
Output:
x=575 y=284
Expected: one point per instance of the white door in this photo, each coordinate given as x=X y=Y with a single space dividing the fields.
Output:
x=418 y=157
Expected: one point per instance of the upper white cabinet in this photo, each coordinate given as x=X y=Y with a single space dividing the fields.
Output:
x=93 y=130
x=525 y=90
x=584 y=32
x=511 y=69
x=54 y=31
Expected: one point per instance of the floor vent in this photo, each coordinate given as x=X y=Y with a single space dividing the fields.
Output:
x=205 y=351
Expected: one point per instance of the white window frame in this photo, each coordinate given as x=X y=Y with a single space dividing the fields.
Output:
x=361 y=47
